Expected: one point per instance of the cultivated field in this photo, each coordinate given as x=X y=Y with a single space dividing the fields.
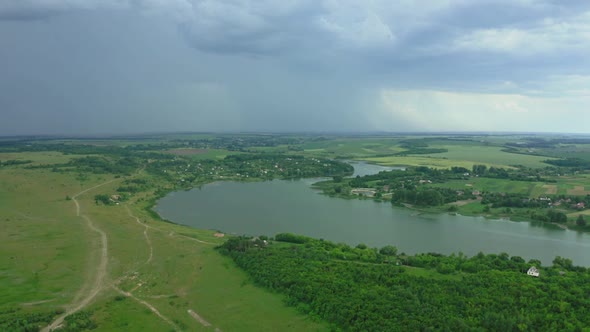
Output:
x=463 y=156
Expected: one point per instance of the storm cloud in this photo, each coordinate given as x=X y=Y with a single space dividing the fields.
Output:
x=114 y=66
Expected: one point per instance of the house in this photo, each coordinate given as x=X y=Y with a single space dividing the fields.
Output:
x=367 y=192
x=580 y=206
x=533 y=271
x=476 y=193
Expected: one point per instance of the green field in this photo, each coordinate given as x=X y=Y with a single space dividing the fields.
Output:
x=37 y=158
x=495 y=185
x=49 y=260
x=463 y=156
x=353 y=148
x=489 y=155
x=563 y=186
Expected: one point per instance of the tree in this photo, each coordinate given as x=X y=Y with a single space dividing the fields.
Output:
x=557 y=217
x=581 y=221
x=565 y=263
x=479 y=169
x=388 y=251
x=429 y=198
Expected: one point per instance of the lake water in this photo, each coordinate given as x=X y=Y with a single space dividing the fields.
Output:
x=362 y=168
x=293 y=206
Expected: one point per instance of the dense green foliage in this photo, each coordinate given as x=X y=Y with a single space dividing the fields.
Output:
x=79 y=321
x=14 y=162
x=570 y=162
x=16 y=319
x=418 y=293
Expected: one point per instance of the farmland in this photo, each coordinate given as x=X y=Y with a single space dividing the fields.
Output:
x=463 y=156
x=162 y=276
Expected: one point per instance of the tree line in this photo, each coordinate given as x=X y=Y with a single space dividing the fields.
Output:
x=427 y=292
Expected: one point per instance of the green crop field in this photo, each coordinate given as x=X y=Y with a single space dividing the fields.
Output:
x=493 y=185
x=351 y=148
x=464 y=156
x=433 y=161
x=489 y=155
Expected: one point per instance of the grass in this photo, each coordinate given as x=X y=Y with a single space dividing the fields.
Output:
x=430 y=274
x=38 y=158
x=428 y=161
x=353 y=147
x=213 y=154
x=464 y=156
x=494 y=185
x=489 y=155
x=47 y=253
x=534 y=189
x=41 y=255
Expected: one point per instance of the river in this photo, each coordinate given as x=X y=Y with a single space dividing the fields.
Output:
x=293 y=206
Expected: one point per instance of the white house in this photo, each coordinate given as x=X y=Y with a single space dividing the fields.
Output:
x=533 y=271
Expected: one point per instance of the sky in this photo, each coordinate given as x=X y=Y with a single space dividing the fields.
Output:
x=86 y=67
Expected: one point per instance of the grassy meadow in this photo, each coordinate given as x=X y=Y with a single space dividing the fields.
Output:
x=37 y=158
x=49 y=259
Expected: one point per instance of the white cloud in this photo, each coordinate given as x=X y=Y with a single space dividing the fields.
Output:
x=368 y=32
x=547 y=35
x=427 y=110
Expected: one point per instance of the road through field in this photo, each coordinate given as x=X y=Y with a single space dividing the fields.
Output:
x=145 y=234
x=101 y=269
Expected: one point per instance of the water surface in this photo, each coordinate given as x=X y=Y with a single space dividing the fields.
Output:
x=293 y=206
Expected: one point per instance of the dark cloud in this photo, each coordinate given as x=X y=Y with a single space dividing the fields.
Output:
x=238 y=28
x=14 y=11
x=162 y=65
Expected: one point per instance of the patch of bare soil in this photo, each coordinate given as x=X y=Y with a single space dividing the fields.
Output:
x=578 y=191
x=550 y=189
x=463 y=202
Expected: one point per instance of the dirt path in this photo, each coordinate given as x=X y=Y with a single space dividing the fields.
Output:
x=198 y=318
x=197 y=240
x=100 y=273
x=149 y=306
x=145 y=234
x=159 y=230
x=464 y=202
x=27 y=304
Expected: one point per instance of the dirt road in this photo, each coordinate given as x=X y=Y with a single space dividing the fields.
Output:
x=100 y=273
x=145 y=234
